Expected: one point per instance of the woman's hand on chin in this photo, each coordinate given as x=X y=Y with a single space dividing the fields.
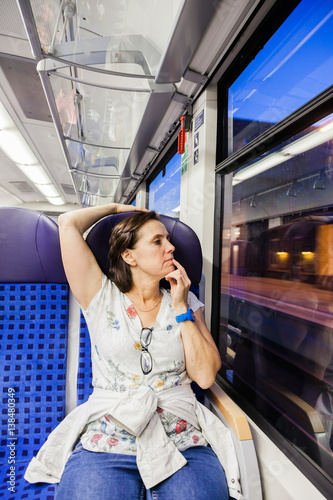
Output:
x=179 y=286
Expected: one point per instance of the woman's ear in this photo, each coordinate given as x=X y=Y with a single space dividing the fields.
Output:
x=128 y=257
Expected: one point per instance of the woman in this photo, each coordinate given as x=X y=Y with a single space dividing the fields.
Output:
x=142 y=433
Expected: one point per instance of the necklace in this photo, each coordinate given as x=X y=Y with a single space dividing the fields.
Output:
x=148 y=310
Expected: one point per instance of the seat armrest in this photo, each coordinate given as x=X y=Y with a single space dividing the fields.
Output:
x=233 y=417
x=231 y=412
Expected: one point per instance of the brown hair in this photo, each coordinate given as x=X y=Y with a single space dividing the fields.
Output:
x=125 y=235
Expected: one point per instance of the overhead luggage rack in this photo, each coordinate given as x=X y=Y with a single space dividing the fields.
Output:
x=118 y=75
x=98 y=118
x=117 y=31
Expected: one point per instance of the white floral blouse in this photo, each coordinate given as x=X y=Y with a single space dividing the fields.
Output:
x=115 y=328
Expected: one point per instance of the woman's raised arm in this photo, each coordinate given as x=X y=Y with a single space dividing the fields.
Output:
x=83 y=273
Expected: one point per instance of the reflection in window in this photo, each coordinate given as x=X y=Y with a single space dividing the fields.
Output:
x=164 y=190
x=295 y=65
x=278 y=286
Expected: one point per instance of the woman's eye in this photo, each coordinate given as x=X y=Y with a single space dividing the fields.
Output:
x=157 y=242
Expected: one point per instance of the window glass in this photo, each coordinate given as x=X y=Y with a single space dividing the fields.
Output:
x=294 y=66
x=277 y=288
x=164 y=190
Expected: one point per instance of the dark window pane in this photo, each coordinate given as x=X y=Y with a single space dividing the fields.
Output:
x=277 y=288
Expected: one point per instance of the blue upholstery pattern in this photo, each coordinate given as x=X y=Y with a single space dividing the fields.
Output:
x=24 y=490
x=33 y=337
x=84 y=373
x=33 y=345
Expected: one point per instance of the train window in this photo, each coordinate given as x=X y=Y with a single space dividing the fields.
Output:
x=277 y=288
x=164 y=190
x=295 y=65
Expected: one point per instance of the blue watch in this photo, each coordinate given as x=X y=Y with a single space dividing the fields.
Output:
x=189 y=315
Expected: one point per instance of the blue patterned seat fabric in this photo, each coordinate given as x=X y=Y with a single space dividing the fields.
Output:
x=33 y=345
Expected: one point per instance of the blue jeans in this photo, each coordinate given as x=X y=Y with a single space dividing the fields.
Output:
x=91 y=475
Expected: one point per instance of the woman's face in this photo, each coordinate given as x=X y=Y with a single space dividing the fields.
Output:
x=153 y=252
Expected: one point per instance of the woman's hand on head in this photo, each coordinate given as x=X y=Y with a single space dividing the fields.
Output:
x=121 y=208
x=179 y=287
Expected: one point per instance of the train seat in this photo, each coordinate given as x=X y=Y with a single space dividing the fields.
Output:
x=33 y=335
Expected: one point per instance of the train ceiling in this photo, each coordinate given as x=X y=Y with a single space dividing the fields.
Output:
x=95 y=90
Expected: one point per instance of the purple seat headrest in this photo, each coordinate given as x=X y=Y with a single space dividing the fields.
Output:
x=29 y=247
x=186 y=242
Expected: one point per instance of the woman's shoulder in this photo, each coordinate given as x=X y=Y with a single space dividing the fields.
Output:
x=108 y=292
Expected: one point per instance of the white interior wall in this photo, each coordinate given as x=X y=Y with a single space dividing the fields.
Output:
x=197 y=195
x=141 y=196
x=280 y=477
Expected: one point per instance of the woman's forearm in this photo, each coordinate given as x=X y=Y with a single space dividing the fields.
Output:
x=83 y=218
x=201 y=357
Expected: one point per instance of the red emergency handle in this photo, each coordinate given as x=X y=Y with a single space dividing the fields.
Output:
x=181 y=137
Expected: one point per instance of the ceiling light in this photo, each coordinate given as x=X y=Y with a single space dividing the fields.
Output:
x=6 y=121
x=309 y=141
x=48 y=190
x=35 y=174
x=17 y=149
x=299 y=146
x=258 y=167
x=55 y=200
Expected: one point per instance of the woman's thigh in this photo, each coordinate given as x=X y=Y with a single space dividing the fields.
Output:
x=202 y=478
x=90 y=475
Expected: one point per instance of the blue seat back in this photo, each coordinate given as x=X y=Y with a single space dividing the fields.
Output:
x=29 y=248
x=187 y=245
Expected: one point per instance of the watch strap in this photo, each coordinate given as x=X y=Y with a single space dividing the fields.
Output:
x=188 y=316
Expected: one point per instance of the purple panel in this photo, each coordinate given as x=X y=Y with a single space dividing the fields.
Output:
x=29 y=248
x=186 y=242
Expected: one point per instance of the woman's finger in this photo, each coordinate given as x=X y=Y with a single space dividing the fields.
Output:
x=182 y=270
x=176 y=275
x=178 y=265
